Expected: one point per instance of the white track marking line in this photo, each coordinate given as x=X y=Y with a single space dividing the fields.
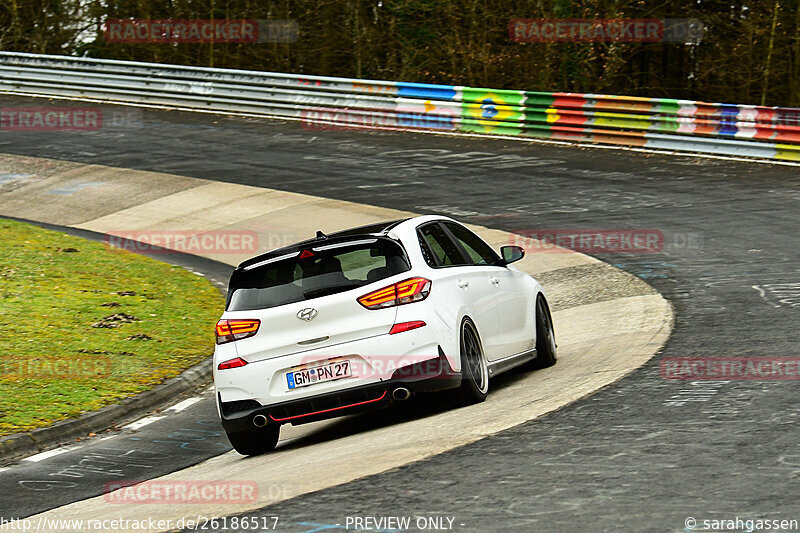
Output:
x=586 y=144
x=143 y=422
x=178 y=407
x=48 y=454
x=390 y=185
x=763 y=294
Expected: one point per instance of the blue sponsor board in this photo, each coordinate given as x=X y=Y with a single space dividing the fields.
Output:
x=727 y=121
x=426 y=90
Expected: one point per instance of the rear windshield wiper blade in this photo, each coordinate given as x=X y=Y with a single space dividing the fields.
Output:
x=324 y=291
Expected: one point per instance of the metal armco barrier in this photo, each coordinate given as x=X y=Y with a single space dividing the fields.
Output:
x=681 y=125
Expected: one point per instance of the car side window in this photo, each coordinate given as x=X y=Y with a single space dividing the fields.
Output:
x=441 y=250
x=478 y=251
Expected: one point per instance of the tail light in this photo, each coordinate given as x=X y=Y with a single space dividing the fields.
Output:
x=236 y=329
x=405 y=292
x=406 y=326
x=231 y=363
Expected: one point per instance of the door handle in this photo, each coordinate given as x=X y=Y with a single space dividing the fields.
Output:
x=462 y=284
x=494 y=281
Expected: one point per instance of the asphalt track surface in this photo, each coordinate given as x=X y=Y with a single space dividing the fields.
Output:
x=642 y=454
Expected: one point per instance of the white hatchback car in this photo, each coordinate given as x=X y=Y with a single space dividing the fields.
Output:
x=369 y=316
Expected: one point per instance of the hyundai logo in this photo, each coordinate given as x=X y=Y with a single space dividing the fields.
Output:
x=308 y=314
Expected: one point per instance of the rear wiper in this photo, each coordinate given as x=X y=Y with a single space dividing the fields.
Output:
x=324 y=291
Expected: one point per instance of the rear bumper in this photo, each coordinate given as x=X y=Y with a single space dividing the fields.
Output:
x=373 y=360
x=428 y=376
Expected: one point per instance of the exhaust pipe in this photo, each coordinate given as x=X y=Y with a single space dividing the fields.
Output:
x=259 y=421
x=401 y=393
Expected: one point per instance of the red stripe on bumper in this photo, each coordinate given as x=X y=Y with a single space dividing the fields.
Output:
x=329 y=410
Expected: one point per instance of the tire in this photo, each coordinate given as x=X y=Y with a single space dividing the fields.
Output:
x=545 y=337
x=474 y=371
x=256 y=441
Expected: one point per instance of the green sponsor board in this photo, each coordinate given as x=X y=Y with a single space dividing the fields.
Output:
x=539 y=99
x=492 y=111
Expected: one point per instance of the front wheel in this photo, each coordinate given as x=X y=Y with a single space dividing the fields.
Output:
x=474 y=370
x=545 y=337
x=255 y=441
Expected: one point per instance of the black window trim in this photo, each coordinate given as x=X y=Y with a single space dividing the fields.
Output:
x=457 y=241
x=426 y=250
x=464 y=255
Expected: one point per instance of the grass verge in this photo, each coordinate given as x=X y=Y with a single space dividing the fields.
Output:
x=83 y=325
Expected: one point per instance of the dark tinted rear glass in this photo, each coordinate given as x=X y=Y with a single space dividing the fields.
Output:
x=325 y=269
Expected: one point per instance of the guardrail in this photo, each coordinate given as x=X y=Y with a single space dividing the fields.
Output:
x=680 y=125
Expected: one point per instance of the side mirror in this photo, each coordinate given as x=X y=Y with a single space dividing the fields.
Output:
x=511 y=254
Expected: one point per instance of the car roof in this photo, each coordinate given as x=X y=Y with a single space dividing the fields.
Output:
x=372 y=230
x=381 y=228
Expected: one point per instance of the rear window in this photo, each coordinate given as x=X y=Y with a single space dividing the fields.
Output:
x=325 y=269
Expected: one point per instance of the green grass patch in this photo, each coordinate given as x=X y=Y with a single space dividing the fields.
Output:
x=57 y=360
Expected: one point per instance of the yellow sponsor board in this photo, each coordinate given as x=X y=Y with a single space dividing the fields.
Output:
x=787 y=151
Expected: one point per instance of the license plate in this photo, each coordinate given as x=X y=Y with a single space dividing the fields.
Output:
x=319 y=374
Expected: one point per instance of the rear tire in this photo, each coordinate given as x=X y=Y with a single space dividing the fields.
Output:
x=545 y=337
x=474 y=370
x=255 y=441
